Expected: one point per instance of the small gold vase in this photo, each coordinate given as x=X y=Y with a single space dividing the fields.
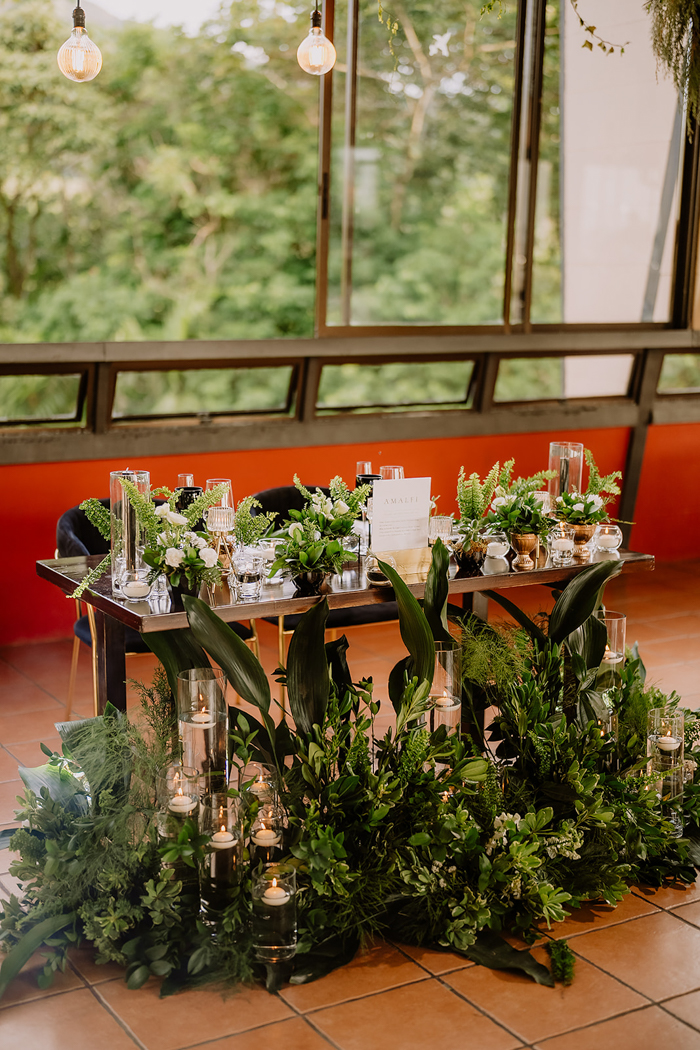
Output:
x=582 y=535
x=522 y=544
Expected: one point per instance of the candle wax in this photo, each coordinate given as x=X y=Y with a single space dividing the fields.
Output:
x=222 y=840
x=265 y=837
x=259 y=787
x=667 y=743
x=562 y=544
x=444 y=701
x=275 y=896
x=201 y=717
x=136 y=589
x=496 y=550
x=181 y=804
x=607 y=540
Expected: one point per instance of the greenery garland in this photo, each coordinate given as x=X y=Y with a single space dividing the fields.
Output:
x=415 y=834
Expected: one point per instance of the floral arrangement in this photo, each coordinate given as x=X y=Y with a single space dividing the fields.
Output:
x=249 y=528
x=416 y=834
x=521 y=486
x=589 y=507
x=519 y=514
x=313 y=541
x=473 y=499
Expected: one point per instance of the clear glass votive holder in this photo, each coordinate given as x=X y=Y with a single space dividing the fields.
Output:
x=616 y=626
x=545 y=501
x=203 y=723
x=666 y=753
x=127 y=538
x=185 y=481
x=249 y=569
x=220 y=871
x=446 y=690
x=497 y=544
x=608 y=537
x=374 y=574
x=220 y=521
x=566 y=460
x=439 y=528
x=274 y=915
x=560 y=544
x=255 y=782
x=177 y=789
x=267 y=835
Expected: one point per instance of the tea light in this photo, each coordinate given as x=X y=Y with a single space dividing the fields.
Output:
x=203 y=719
x=563 y=543
x=275 y=895
x=182 y=803
x=607 y=540
x=265 y=837
x=443 y=701
x=136 y=589
x=259 y=787
x=496 y=550
x=667 y=742
x=609 y=657
x=222 y=839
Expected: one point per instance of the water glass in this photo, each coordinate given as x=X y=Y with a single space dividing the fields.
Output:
x=248 y=571
x=439 y=528
x=227 y=498
x=391 y=472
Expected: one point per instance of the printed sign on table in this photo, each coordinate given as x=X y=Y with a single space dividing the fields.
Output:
x=400 y=511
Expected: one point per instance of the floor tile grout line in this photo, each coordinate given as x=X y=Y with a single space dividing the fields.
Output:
x=315 y=1028
x=33 y=681
x=359 y=998
x=666 y=1010
x=115 y=1016
x=257 y=1028
x=537 y=1043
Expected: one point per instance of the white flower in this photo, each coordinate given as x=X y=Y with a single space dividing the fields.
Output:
x=194 y=540
x=317 y=534
x=596 y=501
x=500 y=501
x=322 y=505
x=162 y=510
x=294 y=529
x=340 y=507
x=560 y=499
x=161 y=539
x=173 y=557
x=578 y=506
x=208 y=556
x=175 y=519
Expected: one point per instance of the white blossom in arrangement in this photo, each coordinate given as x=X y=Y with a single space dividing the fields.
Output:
x=340 y=507
x=322 y=504
x=295 y=529
x=194 y=540
x=175 y=519
x=162 y=510
x=596 y=501
x=162 y=539
x=173 y=557
x=578 y=506
x=208 y=556
x=500 y=501
x=317 y=535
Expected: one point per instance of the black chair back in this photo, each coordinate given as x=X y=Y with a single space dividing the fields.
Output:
x=283 y=499
x=76 y=536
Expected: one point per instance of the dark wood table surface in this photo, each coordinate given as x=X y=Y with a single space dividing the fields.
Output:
x=277 y=599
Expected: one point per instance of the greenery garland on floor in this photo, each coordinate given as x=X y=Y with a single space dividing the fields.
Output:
x=414 y=835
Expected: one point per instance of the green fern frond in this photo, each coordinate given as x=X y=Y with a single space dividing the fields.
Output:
x=99 y=516
x=145 y=511
x=598 y=484
x=473 y=495
x=201 y=505
x=92 y=577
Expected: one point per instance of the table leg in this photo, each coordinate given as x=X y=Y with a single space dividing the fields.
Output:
x=111 y=661
x=477 y=604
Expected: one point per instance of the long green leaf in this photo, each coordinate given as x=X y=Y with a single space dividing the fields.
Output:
x=60 y=784
x=308 y=678
x=415 y=630
x=588 y=641
x=24 y=949
x=397 y=677
x=525 y=622
x=491 y=950
x=230 y=652
x=177 y=651
x=579 y=598
x=436 y=593
x=337 y=660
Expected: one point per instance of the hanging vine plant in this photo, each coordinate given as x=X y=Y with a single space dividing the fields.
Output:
x=675 y=39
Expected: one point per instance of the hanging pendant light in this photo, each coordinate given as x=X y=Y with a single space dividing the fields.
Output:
x=79 y=58
x=316 y=53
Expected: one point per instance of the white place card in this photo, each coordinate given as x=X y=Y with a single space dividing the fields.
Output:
x=400 y=511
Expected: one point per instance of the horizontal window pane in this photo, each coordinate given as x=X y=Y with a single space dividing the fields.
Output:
x=39 y=397
x=559 y=378
x=202 y=392
x=394 y=385
x=680 y=372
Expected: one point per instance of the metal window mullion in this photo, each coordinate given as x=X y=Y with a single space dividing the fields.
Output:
x=348 y=215
x=687 y=241
x=533 y=147
x=514 y=156
x=324 y=177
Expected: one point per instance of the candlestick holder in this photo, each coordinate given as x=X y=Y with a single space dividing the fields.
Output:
x=220 y=521
x=566 y=460
x=666 y=753
x=203 y=723
x=446 y=690
x=274 y=915
x=267 y=835
x=220 y=871
x=129 y=571
x=560 y=544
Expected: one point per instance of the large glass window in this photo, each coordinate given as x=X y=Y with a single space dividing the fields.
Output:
x=561 y=378
x=41 y=398
x=203 y=391
x=395 y=386
x=680 y=373
x=419 y=180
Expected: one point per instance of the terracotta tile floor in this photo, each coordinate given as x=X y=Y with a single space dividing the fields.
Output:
x=638 y=966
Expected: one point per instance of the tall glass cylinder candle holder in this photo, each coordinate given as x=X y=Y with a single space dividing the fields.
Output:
x=178 y=788
x=446 y=690
x=666 y=754
x=129 y=571
x=566 y=460
x=220 y=871
x=608 y=676
x=203 y=723
x=267 y=835
x=274 y=915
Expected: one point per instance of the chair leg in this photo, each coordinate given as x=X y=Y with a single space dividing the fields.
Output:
x=73 y=673
x=93 y=632
x=253 y=643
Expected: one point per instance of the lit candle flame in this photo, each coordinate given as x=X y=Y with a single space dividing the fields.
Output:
x=223 y=827
x=274 y=883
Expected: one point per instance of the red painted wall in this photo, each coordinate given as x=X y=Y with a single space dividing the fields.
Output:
x=668 y=501
x=34 y=496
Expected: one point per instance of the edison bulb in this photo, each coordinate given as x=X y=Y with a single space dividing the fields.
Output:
x=79 y=58
x=316 y=53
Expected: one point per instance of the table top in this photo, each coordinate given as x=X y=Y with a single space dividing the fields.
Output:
x=277 y=599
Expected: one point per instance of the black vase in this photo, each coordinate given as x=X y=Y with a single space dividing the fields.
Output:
x=469 y=560
x=176 y=593
x=307 y=583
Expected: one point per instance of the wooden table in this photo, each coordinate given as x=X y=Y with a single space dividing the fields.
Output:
x=350 y=589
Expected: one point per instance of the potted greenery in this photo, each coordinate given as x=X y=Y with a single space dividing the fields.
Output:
x=521 y=518
x=473 y=499
x=312 y=547
x=584 y=511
